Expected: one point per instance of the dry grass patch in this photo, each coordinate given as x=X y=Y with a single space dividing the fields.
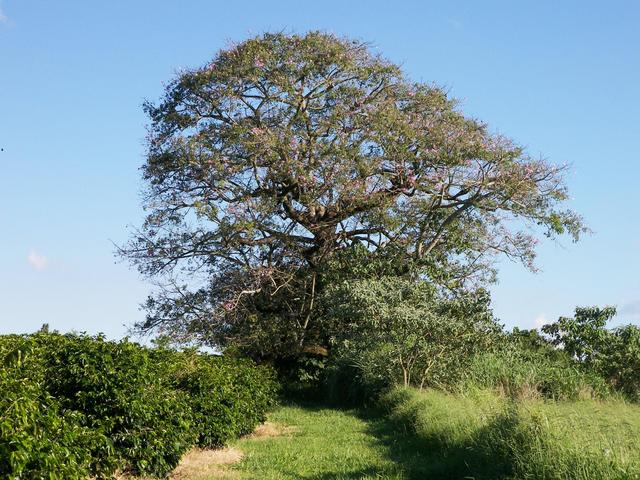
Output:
x=270 y=430
x=200 y=464
x=204 y=464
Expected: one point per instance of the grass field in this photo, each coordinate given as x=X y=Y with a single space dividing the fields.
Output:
x=314 y=443
x=432 y=435
x=484 y=436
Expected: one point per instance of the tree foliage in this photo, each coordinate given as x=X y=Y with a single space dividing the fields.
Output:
x=397 y=330
x=584 y=335
x=612 y=353
x=284 y=150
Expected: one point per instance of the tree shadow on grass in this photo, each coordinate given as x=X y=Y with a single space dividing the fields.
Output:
x=424 y=458
x=367 y=471
x=417 y=456
x=358 y=474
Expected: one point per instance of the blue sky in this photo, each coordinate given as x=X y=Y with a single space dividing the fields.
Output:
x=561 y=78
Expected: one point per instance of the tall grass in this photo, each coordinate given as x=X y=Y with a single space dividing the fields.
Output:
x=485 y=435
x=520 y=374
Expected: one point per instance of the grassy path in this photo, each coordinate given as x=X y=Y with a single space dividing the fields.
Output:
x=317 y=444
x=431 y=436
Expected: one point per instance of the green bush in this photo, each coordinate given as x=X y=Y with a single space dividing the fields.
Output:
x=37 y=438
x=397 y=330
x=228 y=397
x=302 y=376
x=255 y=391
x=115 y=386
x=358 y=375
x=74 y=405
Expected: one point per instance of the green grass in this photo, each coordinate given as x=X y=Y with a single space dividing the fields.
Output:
x=434 y=435
x=584 y=439
x=484 y=436
x=324 y=444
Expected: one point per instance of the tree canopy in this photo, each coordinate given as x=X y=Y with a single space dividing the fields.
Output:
x=285 y=151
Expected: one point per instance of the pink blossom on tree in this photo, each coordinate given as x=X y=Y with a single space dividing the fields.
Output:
x=329 y=148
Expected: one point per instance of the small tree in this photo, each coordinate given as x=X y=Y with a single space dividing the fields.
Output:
x=623 y=363
x=584 y=336
x=613 y=354
x=286 y=149
x=404 y=330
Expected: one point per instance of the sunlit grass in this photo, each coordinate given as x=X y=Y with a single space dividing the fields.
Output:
x=321 y=443
x=434 y=435
x=485 y=436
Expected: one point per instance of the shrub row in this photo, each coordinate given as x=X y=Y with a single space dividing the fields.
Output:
x=73 y=406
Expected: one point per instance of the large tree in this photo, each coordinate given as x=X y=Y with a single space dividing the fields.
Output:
x=284 y=152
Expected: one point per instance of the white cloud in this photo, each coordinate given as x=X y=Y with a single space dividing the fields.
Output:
x=455 y=23
x=37 y=261
x=3 y=17
x=540 y=320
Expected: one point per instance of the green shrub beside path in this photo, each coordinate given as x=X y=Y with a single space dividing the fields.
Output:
x=74 y=405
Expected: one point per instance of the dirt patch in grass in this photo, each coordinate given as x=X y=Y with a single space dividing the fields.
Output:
x=200 y=464
x=271 y=430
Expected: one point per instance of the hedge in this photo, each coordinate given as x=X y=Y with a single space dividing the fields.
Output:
x=74 y=405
